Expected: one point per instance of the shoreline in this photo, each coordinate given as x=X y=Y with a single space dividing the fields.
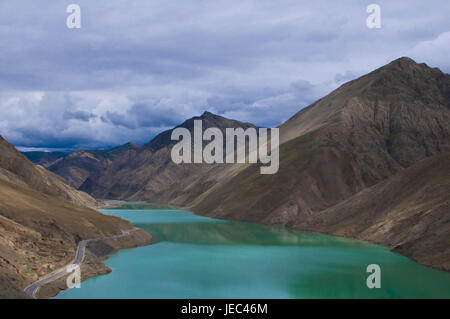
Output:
x=62 y=282
x=391 y=248
x=394 y=249
x=90 y=257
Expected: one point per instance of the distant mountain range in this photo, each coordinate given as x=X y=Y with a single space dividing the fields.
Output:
x=367 y=161
x=76 y=167
x=143 y=173
x=44 y=159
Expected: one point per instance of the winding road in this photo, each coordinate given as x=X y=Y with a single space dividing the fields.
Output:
x=32 y=289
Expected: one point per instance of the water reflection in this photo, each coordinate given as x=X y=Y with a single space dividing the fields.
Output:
x=238 y=233
x=199 y=257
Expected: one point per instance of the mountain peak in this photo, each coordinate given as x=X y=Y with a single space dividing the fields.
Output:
x=405 y=64
x=393 y=93
x=410 y=67
x=131 y=144
x=206 y=113
x=209 y=115
x=403 y=61
x=126 y=146
x=209 y=120
x=119 y=150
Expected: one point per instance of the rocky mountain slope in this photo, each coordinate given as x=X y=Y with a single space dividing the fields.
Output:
x=76 y=167
x=41 y=222
x=359 y=135
x=150 y=175
x=44 y=159
x=39 y=178
x=409 y=212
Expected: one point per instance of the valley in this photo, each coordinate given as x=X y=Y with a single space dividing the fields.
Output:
x=369 y=161
x=338 y=157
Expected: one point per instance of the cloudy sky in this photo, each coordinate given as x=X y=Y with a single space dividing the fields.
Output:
x=137 y=67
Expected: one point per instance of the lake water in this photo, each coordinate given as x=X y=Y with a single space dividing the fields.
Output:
x=199 y=257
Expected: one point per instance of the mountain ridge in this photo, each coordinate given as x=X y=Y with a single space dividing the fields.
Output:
x=77 y=166
x=153 y=169
x=359 y=135
x=366 y=132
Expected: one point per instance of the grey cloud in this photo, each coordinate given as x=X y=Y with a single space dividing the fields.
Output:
x=78 y=115
x=143 y=116
x=137 y=67
x=119 y=120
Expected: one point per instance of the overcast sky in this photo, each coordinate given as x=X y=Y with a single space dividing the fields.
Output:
x=135 y=68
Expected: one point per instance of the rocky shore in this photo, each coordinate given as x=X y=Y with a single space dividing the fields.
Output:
x=93 y=264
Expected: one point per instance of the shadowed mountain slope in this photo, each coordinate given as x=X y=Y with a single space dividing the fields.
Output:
x=39 y=178
x=409 y=212
x=44 y=159
x=150 y=175
x=76 y=167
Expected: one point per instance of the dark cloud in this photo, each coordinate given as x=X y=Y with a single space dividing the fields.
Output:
x=137 y=67
x=143 y=116
x=78 y=115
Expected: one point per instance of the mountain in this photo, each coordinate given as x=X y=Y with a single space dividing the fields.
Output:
x=44 y=158
x=39 y=178
x=76 y=167
x=150 y=175
x=369 y=132
x=363 y=133
x=409 y=212
x=358 y=135
x=41 y=222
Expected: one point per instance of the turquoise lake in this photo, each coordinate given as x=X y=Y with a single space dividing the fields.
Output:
x=199 y=257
